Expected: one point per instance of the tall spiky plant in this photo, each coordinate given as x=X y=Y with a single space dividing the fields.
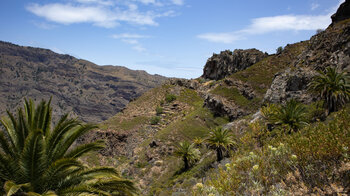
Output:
x=292 y=114
x=37 y=159
x=333 y=87
x=220 y=140
x=188 y=153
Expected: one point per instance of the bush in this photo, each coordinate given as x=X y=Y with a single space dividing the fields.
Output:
x=155 y=120
x=279 y=50
x=159 y=110
x=251 y=173
x=170 y=98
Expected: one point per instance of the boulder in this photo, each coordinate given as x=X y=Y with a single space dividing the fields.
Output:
x=226 y=63
x=342 y=13
x=290 y=85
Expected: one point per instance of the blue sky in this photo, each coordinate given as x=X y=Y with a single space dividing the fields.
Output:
x=167 y=37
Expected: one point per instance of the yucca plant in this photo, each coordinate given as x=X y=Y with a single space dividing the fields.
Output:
x=292 y=115
x=36 y=159
x=220 y=140
x=333 y=87
x=188 y=153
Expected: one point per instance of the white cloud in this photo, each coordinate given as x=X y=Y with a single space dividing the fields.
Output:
x=139 y=48
x=99 y=2
x=271 y=24
x=104 y=13
x=129 y=36
x=69 y=14
x=314 y=6
x=221 y=37
x=178 y=2
x=132 y=39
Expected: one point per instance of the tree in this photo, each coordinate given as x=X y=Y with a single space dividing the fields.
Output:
x=188 y=153
x=36 y=159
x=279 y=50
x=333 y=87
x=220 y=140
x=292 y=114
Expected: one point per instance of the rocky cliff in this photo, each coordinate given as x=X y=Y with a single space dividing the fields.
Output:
x=94 y=93
x=226 y=63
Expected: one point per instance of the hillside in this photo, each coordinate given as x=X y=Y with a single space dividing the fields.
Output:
x=91 y=92
x=143 y=138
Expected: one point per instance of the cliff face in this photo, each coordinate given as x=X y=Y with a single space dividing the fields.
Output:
x=94 y=93
x=226 y=63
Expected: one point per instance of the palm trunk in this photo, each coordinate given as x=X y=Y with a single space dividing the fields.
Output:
x=186 y=163
x=219 y=154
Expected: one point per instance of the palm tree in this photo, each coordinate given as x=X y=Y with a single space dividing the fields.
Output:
x=292 y=114
x=333 y=87
x=36 y=159
x=188 y=153
x=220 y=140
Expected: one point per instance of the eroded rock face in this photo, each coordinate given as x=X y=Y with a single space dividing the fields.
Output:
x=290 y=85
x=342 y=13
x=330 y=48
x=221 y=107
x=226 y=63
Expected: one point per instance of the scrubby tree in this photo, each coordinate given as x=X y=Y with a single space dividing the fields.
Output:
x=220 y=140
x=333 y=87
x=36 y=159
x=188 y=153
x=279 y=50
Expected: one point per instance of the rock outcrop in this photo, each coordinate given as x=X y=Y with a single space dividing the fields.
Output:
x=290 y=85
x=221 y=107
x=226 y=63
x=342 y=13
x=328 y=48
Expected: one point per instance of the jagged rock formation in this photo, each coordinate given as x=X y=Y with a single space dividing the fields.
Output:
x=328 y=48
x=226 y=63
x=290 y=85
x=342 y=13
x=94 y=93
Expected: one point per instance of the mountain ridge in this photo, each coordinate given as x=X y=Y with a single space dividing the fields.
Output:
x=92 y=92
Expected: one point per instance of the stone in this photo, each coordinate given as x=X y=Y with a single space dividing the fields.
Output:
x=226 y=63
x=342 y=13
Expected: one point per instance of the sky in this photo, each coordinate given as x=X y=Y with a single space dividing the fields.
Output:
x=172 y=38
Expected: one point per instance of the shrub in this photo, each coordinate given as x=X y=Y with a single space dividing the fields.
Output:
x=251 y=173
x=170 y=98
x=155 y=120
x=279 y=50
x=159 y=110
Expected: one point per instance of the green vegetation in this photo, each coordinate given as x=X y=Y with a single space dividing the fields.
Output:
x=159 y=110
x=306 y=161
x=232 y=94
x=155 y=120
x=279 y=50
x=170 y=98
x=333 y=87
x=291 y=116
x=220 y=140
x=188 y=153
x=35 y=159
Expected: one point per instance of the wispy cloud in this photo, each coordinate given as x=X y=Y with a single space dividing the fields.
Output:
x=103 y=13
x=314 y=6
x=273 y=24
x=132 y=39
x=178 y=2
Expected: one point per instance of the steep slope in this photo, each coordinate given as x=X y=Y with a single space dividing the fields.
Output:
x=94 y=93
x=141 y=140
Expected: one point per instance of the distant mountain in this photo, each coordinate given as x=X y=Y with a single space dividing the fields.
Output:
x=92 y=92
